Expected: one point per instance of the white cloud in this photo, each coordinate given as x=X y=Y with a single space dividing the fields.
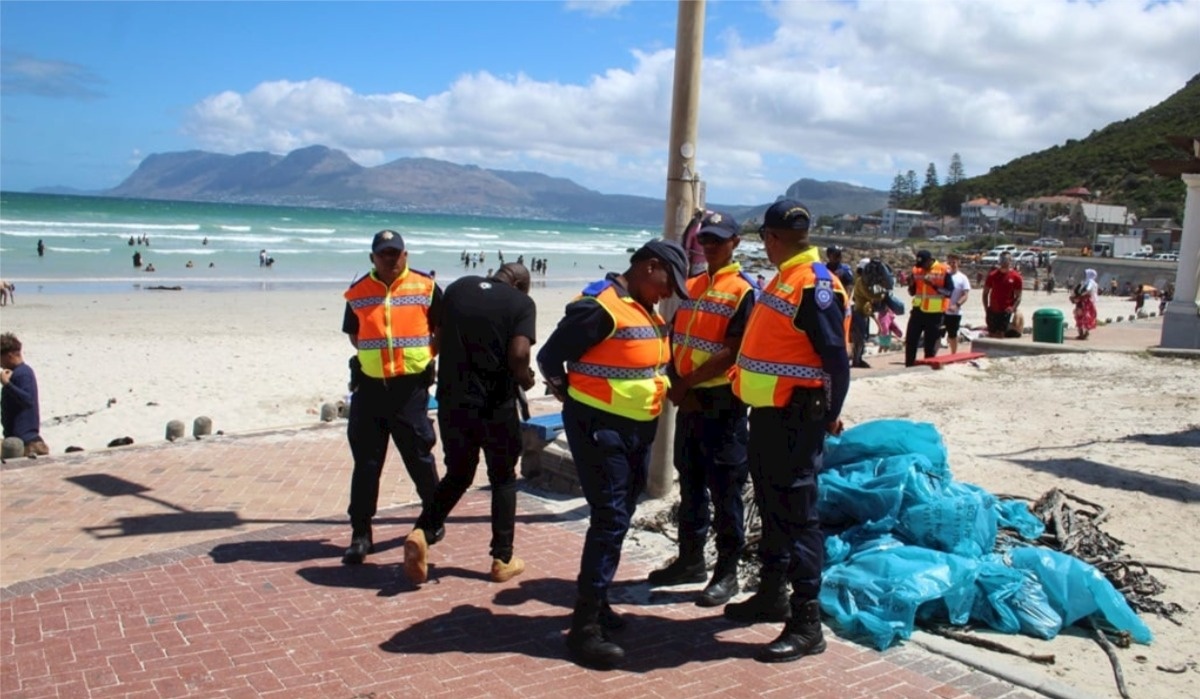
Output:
x=845 y=91
x=596 y=8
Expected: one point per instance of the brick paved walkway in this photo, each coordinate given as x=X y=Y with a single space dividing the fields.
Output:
x=213 y=569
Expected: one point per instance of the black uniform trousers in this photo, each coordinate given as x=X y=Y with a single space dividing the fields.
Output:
x=465 y=431
x=710 y=457
x=921 y=324
x=397 y=407
x=612 y=455
x=786 y=448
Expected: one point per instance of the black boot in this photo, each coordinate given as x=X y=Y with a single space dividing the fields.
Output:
x=586 y=640
x=609 y=619
x=769 y=603
x=362 y=542
x=688 y=567
x=724 y=583
x=801 y=636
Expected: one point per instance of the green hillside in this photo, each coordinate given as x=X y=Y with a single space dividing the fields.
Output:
x=1113 y=160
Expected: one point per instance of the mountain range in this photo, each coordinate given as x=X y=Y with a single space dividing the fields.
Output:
x=319 y=176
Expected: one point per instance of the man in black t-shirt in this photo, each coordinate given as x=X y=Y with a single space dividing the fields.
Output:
x=488 y=326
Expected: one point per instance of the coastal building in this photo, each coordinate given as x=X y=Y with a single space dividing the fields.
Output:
x=901 y=222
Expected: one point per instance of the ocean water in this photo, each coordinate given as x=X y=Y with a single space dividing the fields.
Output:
x=87 y=245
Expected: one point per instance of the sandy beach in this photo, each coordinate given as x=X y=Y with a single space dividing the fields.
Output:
x=124 y=364
x=1118 y=429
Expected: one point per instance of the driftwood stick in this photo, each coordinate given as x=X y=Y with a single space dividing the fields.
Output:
x=1111 y=652
x=973 y=640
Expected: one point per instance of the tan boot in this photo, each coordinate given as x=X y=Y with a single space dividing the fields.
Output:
x=503 y=572
x=416 y=551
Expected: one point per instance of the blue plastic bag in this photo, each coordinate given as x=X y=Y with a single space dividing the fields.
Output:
x=1013 y=601
x=960 y=520
x=1015 y=514
x=1077 y=590
x=879 y=439
x=878 y=591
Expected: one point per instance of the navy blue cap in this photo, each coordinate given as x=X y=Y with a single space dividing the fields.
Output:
x=719 y=224
x=673 y=256
x=387 y=240
x=786 y=215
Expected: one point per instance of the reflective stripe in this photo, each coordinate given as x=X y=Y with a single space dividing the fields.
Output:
x=779 y=305
x=382 y=343
x=795 y=371
x=644 y=332
x=612 y=372
x=366 y=301
x=720 y=309
x=697 y=343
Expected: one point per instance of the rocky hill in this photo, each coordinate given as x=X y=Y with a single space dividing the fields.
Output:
x=324 y=177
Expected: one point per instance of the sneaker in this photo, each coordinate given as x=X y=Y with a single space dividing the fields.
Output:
x=415 y=551
x=503 y=572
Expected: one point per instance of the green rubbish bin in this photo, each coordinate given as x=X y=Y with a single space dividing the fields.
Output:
x=1048 y=325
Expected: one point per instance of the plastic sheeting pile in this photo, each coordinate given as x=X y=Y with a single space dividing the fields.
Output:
x=912 y=544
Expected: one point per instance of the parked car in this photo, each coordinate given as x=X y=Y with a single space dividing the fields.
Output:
x=958 y=239
x=940 y=239
x=1048 y=243
x=1169 y=256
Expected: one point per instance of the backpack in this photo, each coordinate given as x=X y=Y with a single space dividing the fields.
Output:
x=878 y=274
x=1079 y=291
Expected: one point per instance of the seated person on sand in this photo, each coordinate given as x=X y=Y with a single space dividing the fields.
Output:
x=1016 y=326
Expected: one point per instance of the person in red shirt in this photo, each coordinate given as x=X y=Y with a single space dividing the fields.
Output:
x=1001 y=296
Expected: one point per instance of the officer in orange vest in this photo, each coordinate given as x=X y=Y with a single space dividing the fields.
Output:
x=392 y=316
x=930 y=288
x=616 y=351
x=793 y=372
x=710 y=426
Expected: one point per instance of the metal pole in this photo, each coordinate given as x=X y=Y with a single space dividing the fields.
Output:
x=681 y=183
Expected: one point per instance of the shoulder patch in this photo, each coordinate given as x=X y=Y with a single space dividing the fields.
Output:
x=596 y=288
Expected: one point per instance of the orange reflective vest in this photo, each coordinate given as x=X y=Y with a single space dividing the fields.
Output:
x=776 y=358
x=624 y=374
x=928 y=299
x=702 y=319
x=394 y=337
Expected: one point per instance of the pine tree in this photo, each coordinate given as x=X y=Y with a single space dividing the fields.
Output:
x=896 y=195
x=910 y=184
x=956 y=174
x=931 y=179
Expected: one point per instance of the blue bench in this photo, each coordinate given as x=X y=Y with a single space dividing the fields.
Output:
x=546 y=427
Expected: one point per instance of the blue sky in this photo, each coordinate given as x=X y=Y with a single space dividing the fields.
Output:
x=848 y=91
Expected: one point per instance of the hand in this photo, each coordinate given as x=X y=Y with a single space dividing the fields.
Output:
x=550 y=389
x=677 y=392
x=835 y=428
x=5 y=376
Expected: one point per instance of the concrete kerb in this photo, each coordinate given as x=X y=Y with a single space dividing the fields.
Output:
x=989 y=664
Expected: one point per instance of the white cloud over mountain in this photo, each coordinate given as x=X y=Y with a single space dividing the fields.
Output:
x=850 y=91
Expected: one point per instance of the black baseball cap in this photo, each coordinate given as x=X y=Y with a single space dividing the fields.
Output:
x=719 y=224
x=673 y=256
x=387 y=240
x=786 y=215
x=924 y=256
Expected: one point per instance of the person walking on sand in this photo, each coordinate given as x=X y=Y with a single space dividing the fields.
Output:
x=710 y=425
x=616 y=351
x=952 y=321
x=794 y=373
x=929 y=287
x=1084 y=297
x=392 y=316
x=19 y=407
x=488 y=326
